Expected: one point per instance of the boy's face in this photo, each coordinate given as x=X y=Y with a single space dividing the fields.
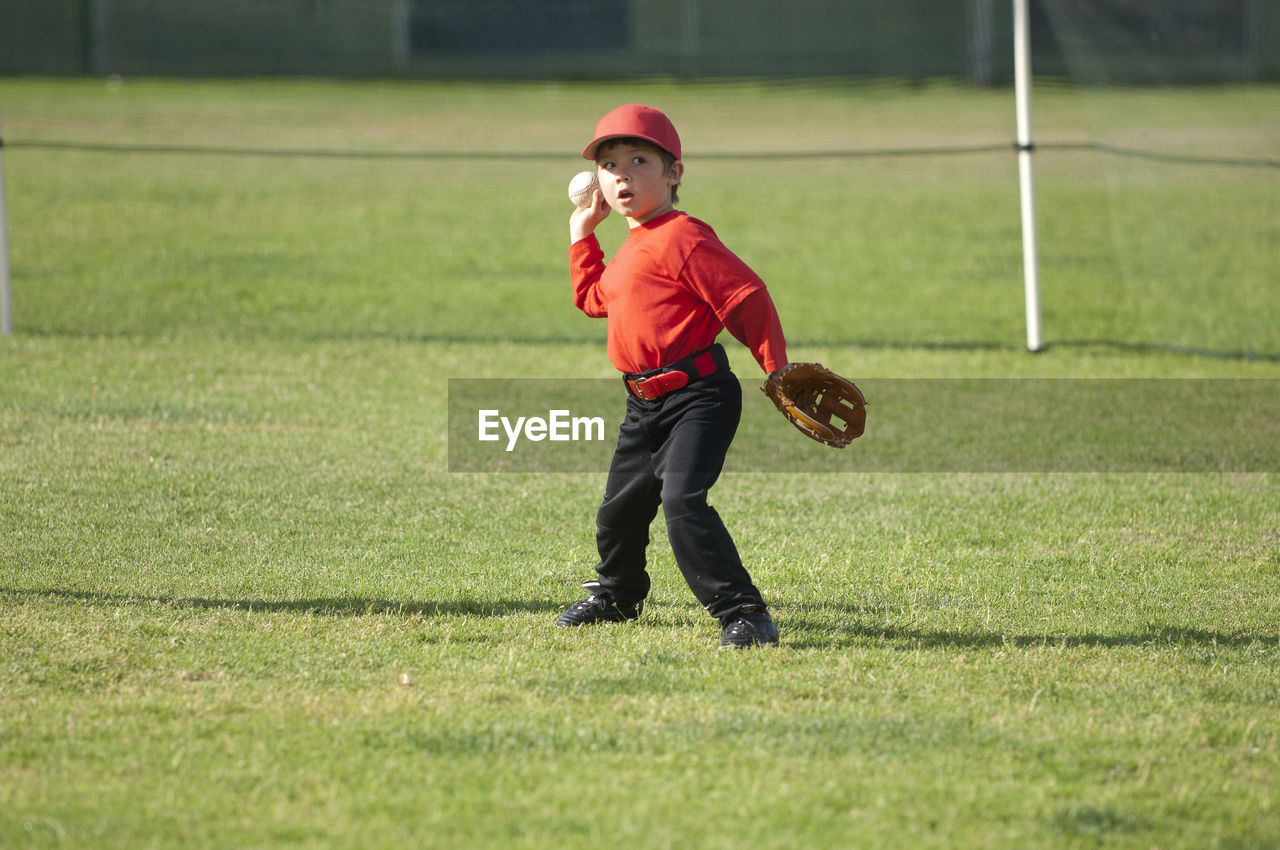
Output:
x=634 y=180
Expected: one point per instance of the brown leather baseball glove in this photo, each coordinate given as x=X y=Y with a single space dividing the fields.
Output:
x=823 y=405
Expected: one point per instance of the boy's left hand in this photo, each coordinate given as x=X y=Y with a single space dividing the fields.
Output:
x=821 y=404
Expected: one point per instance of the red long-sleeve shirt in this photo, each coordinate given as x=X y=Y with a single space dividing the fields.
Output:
x=669 y=291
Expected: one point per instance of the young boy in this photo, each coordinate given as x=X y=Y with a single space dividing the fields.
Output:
x=668 y=292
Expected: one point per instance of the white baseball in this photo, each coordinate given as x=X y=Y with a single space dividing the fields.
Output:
x=581 y=187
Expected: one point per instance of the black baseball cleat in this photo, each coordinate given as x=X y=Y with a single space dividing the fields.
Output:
x=599 y=607
x=752 y=627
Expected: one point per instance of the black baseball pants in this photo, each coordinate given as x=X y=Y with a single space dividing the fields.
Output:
x=670 y=452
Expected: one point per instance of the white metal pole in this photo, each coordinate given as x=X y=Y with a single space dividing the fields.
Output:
x=689 y=25
x=400 y=46
x=6 y=295
x=1026 y=175
x=98 y=55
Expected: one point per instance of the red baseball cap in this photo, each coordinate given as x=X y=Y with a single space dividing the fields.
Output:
x=641 y=122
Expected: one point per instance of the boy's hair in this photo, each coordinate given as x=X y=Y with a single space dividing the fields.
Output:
x=668 y=158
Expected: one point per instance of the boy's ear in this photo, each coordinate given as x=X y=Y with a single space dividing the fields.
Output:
x=675 y=173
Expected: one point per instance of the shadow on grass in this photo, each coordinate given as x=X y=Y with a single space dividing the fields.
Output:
x=1164 y=348
x=816 y=636
x=1120 y=345
x=960 y=345
x=341 y=607
x=807 y=628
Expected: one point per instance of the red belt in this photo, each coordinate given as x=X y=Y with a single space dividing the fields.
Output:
x=658 y=382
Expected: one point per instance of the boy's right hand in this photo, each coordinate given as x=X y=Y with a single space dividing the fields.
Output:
x=583 y=221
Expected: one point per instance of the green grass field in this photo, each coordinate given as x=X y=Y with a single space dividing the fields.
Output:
x=245 y=603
